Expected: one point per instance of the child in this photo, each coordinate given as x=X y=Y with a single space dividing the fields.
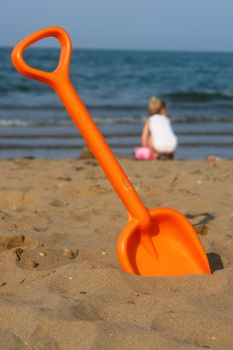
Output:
x=157 y=133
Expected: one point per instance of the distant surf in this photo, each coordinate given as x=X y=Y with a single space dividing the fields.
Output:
x=115 y=86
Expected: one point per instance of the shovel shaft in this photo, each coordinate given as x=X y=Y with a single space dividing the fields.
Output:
x=60 y=82
x=102 y=152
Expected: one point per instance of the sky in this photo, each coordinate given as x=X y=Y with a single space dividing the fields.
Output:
x=190 y=25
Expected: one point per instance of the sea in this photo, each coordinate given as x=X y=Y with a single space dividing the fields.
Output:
x=115 y=86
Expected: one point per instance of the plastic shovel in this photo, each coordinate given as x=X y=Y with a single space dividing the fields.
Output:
x=155 y=241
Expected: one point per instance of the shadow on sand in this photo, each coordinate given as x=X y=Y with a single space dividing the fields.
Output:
x=215 y=262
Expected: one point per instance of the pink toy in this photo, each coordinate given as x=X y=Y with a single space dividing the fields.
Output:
x=144 y=153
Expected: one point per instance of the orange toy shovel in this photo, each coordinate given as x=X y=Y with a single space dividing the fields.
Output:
x=155 y=242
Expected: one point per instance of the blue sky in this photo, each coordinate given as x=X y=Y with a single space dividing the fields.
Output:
x=128 y=24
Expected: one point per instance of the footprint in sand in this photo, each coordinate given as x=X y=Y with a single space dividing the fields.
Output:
x=43 y=259
x=32 y=255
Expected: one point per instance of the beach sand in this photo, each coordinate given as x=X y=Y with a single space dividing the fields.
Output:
x=61 y=286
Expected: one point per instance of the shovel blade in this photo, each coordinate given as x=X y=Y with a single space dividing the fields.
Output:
x=178 y=248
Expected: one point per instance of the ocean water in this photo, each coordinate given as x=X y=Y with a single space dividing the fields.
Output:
x=115 y=86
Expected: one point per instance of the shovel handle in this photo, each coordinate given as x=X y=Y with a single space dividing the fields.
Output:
x=60 y=82
x=62 y=70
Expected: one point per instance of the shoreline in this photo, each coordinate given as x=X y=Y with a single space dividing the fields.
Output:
x=85 y=153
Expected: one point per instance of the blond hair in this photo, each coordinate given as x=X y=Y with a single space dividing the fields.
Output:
x=155 y=105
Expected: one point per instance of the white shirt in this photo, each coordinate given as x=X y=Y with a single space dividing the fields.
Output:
x=163 y=137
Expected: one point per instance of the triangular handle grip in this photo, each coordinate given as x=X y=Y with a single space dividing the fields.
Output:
x=62 y=69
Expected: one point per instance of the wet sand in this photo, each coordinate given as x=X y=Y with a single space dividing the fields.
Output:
x=61 y=286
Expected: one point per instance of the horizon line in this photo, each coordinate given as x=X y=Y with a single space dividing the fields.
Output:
x=130 y=49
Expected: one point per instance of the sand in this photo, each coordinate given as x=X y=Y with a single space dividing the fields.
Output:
x=61 y=286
